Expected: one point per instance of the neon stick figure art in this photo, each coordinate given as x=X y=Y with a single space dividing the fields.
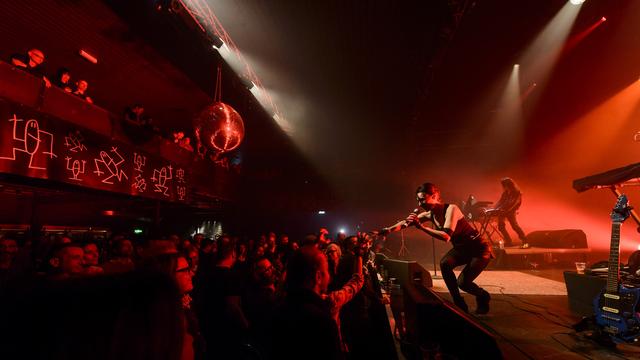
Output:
x=112 y=165
x=76 y=167
x=138 y=162
x=33 y=140
x=75 y=142
x=160 y=178
x=182 y=192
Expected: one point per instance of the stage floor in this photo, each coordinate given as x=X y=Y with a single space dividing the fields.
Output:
x=512 y=283
x=531 y=319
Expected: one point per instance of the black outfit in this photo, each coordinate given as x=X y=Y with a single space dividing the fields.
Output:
x=304 y=328
x=223 y=333
x=469 y=249
x=508 y=205
x=259 y=304
x=137 y=128
x=363 y=320
x=64 y=86
x=37 y=71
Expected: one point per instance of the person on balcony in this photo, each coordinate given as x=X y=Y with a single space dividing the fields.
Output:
x=63 y=80
x=32 y=62
x=81 y=91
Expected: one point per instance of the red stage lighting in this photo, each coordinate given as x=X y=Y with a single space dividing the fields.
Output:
x=603 y=19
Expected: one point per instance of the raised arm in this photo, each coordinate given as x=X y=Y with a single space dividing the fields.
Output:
x=451 y=217
x=338 y=298
x=423 y=216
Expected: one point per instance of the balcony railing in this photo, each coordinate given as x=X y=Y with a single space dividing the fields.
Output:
x=208 y=179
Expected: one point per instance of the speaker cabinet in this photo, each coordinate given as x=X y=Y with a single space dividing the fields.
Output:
x=438 y=327
x=407 y=272
x=562 y=239
x=581 y=290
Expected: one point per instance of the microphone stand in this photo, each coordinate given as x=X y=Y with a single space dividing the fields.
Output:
x=433 y=251
x=403 y=252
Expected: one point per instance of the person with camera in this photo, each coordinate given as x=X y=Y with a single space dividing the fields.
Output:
x=469 y=248
x=363 y=320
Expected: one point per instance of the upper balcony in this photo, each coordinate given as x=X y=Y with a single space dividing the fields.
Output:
x=60 y=113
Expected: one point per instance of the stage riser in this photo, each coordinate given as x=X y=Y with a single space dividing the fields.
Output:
x=562 y=239
x=505 y=260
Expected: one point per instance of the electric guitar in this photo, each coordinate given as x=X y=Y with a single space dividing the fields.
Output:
x=615 y=307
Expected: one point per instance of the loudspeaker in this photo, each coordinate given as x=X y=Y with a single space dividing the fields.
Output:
x=581 y=290
x=407 y=272
x=563 y=239
x=437 y=326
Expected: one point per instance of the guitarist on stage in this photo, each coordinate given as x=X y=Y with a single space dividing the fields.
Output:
x=507 y=208
x=469 y=248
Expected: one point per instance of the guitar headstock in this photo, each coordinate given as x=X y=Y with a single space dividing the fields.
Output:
x=622 y=210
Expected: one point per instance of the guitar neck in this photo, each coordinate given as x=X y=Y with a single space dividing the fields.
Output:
x=613 y=278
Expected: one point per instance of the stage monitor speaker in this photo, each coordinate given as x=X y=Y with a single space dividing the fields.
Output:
x=434 y=323
x=562 y=239
x=407 y=271
x=581 y=290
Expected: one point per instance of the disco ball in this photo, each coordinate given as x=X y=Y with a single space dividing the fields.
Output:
x=219 y=128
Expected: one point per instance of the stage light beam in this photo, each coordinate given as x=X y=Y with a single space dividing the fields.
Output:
x=506 y=129
x=576 y=39
x=587 y=145
x=541 y=56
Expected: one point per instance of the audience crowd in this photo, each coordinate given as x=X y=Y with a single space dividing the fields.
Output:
x=191 y=298
x=186 y=297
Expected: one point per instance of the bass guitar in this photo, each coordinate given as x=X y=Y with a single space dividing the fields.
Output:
x=615 y=307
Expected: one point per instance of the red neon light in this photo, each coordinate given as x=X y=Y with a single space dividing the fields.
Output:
x=92 y=59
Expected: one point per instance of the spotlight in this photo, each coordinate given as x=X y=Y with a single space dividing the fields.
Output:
x=603 y=19
x=576 y=2
x=217 y=42
x=247 y=83
x=516 y=66
x=321 y=212
x=341 y=231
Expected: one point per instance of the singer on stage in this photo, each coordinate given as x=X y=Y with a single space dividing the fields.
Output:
x=469 y=248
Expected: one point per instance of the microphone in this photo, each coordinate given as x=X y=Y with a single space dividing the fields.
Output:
x=403 y=225
x=407 y=224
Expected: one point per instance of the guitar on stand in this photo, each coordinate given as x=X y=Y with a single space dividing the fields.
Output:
x=615 y=307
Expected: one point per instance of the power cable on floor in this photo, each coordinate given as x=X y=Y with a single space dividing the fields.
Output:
x=501 y=288
x=566 y=346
